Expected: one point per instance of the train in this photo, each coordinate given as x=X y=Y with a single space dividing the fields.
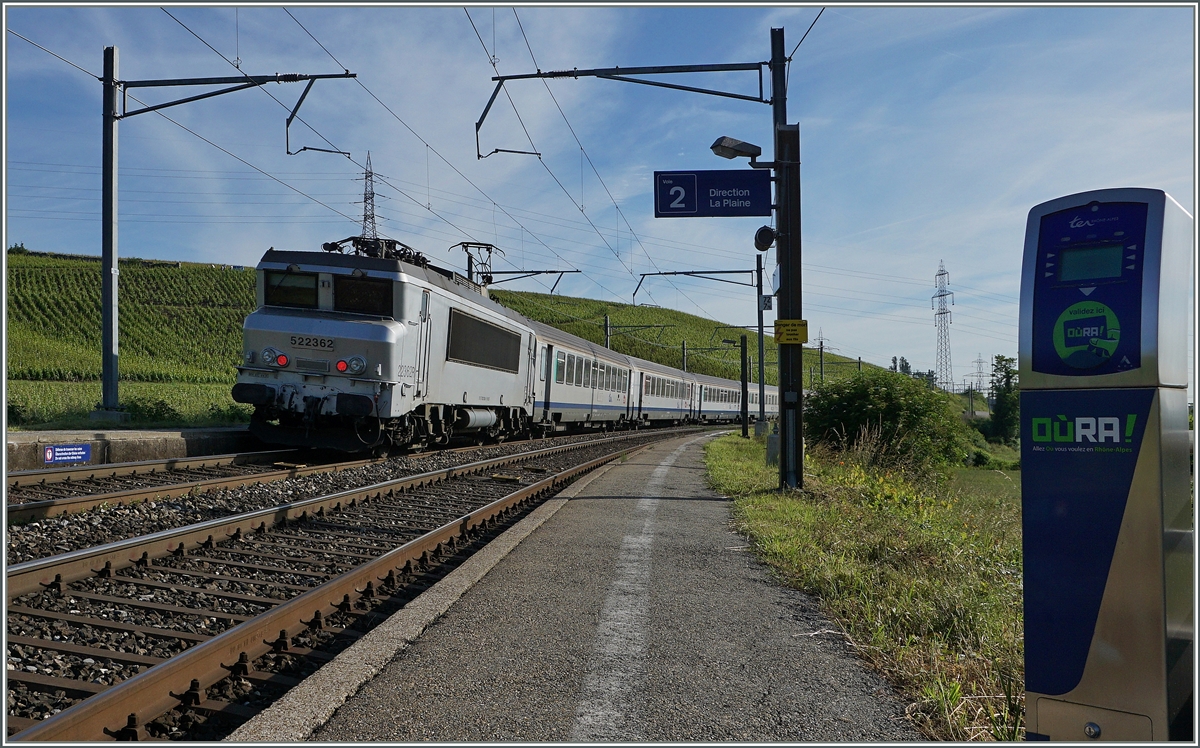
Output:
x=365 y=346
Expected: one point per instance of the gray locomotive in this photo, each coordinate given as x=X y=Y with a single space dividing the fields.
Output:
x=377 y=347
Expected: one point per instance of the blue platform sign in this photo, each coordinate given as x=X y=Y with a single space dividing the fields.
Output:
x=712 y=194
x=68 y=453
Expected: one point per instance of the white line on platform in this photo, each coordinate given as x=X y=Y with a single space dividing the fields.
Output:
x=607 y=710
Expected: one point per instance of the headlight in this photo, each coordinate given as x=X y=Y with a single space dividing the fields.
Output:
x=272 y=357
x=357 y=365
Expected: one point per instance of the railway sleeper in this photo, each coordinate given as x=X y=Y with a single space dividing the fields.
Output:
x=339 y=628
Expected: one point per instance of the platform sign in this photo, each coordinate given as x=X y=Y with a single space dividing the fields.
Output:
x=712 y=194
x=68 y=453
x=791 y=331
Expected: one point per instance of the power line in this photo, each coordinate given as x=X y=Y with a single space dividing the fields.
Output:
x=595 y=171
x=455 y=169
x=322 y=137
x=77 y=67
x=534 y=147
x=201 y=137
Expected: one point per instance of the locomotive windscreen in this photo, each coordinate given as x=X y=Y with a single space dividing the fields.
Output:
x=473 y=341
x=290 y=289
x=362 y=295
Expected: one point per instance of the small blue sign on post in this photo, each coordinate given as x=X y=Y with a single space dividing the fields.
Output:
x=68 y=453
x=712 y=194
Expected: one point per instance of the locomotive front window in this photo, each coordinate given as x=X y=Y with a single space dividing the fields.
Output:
x=362 y=295
x=290 y=289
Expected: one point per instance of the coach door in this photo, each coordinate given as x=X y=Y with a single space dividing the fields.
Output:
x=529 y=375
x=423 y=333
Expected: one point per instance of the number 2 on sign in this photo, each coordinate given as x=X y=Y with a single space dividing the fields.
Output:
x=678 y=193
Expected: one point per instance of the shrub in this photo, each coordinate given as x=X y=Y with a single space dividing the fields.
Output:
x=17 y=414
x=889 y=419
x=148 y=411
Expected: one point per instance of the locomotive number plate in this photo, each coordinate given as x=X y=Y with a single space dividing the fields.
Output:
x=304 y=341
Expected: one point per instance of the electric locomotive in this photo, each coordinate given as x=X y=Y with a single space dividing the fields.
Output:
x=375 y=348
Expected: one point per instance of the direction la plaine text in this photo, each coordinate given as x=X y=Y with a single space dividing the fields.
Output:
x=727 y=203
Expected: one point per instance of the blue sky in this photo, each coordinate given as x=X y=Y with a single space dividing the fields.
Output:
x=927 y=135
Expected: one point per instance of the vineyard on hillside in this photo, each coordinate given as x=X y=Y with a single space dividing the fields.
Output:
x=181 y=336
x=177 y=323
x=635 y=331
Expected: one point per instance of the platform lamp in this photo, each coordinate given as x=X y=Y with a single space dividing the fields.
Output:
x=786 y=235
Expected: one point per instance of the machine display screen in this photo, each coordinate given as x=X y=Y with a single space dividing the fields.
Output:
x=1087 y=263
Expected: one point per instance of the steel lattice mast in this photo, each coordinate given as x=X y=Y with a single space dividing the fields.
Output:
x=368 y=226
x=941 y=318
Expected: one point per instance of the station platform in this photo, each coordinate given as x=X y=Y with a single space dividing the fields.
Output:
x=624 y=609
x=26 y=450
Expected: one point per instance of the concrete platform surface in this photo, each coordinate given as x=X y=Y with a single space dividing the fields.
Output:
x=631 y=612
x=25 y=450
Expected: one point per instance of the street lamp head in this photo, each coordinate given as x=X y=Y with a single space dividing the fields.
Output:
x=727 y=147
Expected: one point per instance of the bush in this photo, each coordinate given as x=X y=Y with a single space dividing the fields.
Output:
x=147 y=411
x=17 y=414
x=889 y=418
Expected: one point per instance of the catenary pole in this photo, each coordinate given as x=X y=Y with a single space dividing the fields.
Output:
x=109 y=403
x=787 y=221
x=109 y=407
x=762 y=387
x=745 y=393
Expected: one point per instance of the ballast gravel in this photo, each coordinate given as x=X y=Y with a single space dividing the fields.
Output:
x=64 y=533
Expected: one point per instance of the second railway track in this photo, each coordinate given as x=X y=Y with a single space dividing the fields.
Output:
x=37 y=494
x=219 y=618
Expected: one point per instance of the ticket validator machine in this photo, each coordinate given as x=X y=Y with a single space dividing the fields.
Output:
x=1107 y=518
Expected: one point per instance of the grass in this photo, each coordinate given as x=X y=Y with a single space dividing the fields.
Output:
x=65 y=405
x=922 y=576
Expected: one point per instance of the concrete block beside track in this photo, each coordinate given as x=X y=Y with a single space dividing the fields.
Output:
x=26 y=449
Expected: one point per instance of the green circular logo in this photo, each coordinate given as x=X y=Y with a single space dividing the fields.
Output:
x=1086 y=334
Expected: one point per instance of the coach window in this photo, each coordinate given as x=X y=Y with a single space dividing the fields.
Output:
x=560 y=367
x=290 y=289
x=362 y=295
x=587 y=374
x=570 y=368
x=542 y=364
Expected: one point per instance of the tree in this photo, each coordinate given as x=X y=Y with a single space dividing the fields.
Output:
x=18 y=249
x=894 y=364
x=1006 y=401
x=905 y=367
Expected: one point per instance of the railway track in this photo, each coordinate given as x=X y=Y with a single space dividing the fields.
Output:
x=187 y=629
x=39 y=494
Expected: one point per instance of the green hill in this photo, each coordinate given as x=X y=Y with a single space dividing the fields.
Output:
x=636 y=331
x=178 y=322
x=180 y=336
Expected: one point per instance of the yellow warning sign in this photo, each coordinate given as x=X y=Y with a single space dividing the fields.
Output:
x=791 y=331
